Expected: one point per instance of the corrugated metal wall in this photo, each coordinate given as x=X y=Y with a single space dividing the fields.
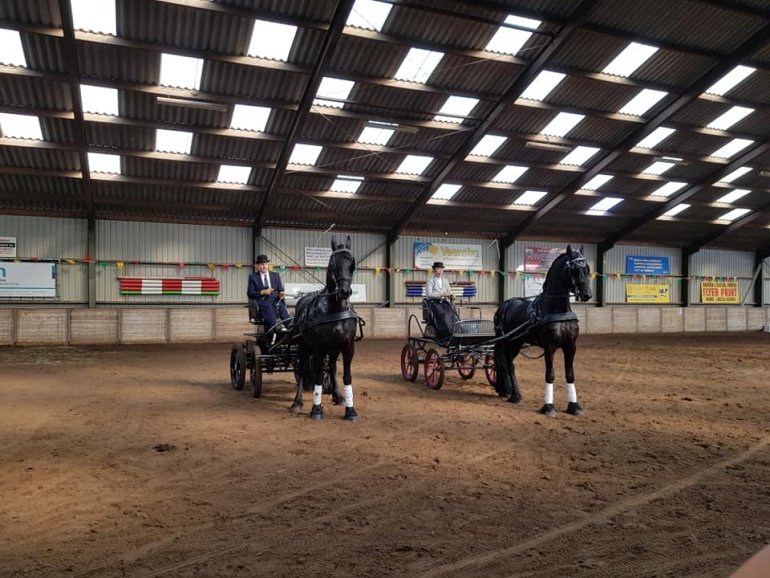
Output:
x=515 y=280
x=286 y=247
x=160 y=249
x=47 y=238
x=615 y=263
x=719 y=263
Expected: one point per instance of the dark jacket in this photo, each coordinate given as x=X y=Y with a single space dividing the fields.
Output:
x=255 y=286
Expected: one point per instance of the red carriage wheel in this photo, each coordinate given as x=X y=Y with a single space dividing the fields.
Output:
x=466 y=367
x=434 y=369
x=238 y=366
x=489 y=369
x=409 y=361
x=255 y=379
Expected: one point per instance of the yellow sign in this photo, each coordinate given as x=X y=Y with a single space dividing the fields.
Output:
x=719 y=292
x=647 y=293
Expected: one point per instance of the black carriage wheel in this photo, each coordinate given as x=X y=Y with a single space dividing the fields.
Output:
x=434 y=369
x=409 y=361
x=467 y=363
x=237 y=366
x=489 y=369
x=256 y=372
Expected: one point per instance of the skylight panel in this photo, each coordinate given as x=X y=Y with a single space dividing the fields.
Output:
x=736 y=174
x=643 y=102
x=632 y=57
x=305 y=154
x=333 y=88
x=99 y=99
x=94 y=15
x=20 y=126
x=509 y=174
x=173 y=141
x=376 y=135
x=668 y=189
x=596 y=182
x=579 y=156
x=732 y=148
x=730 y=80
x=418 y=65
x=562 y=124
x=676 y=210
x=271 y=40
x=369 y=14
x=510 y=40
x=457 y=106
x=346 y=184
x=655 y=137
x=729 y=118
x=180 y=71
x=658 y=168
x=103 y=163
x=603 y=206
x=248 y=117
x=734 y=214
x=487 y=146
x=733 y=196
x=414 y=165
x=13 y=52
x=233 y=174
x=542 y=86
x=530 y=198
x=445 y=192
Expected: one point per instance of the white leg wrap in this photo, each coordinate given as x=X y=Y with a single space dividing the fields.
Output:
x=347 y=391
x=548 y=393
x=317 y=390
x=571 y=393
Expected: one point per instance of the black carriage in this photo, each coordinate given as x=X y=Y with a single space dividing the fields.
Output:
x=266 y=350
x=444 y=341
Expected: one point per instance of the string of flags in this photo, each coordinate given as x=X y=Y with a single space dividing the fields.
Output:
x=122 y=264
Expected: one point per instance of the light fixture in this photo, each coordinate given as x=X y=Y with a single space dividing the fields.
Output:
x=547 y=146
x=189 y=103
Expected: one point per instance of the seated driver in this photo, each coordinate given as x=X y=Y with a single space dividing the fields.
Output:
x=437 y=285
x=266 y=289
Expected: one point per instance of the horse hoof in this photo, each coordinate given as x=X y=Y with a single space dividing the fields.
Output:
x=515 y=398
x=295 y=408
x=317 y=412
x=336 y=399
x=573 y=408
x=548 y=409
x=350 y=414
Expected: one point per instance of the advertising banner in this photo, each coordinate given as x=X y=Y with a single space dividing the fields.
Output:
x=296 y=290
x=638 y=265
x=539 y=259
x=455 y=257
x=27 y=280
x=719 y=292
x=317 y=256
x=8 y=247
x=647 y=293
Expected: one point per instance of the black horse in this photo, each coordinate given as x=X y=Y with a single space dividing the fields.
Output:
x=546 y=321
x=326 y=326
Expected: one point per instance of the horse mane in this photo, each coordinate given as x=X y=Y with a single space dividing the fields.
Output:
x=553 y=270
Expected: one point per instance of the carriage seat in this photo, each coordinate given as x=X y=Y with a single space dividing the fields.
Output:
x=440 y=316
x=255 y=318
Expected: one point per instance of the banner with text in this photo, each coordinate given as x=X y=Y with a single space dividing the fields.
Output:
x=27 y=280
x=719 y=292
x=455 y=257
x=644 y=265
x=8 y=247
x=317 y=256
x=539 y=259
x=296 y=290
x=647 y=293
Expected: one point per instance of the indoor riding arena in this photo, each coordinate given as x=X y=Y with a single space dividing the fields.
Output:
x=384 y=288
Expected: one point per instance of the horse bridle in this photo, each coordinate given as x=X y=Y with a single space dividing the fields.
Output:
x=572 y=264
x=338 y=280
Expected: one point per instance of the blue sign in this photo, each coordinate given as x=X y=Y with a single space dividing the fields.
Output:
x=636 y=265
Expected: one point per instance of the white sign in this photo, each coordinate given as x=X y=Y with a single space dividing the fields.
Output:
x=296 y=290
x=7 y=246
x=456 y=257
x=317 y=256
x=27 y=280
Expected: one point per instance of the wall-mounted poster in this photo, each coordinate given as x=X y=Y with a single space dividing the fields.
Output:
x=27 y=280
x=455 y=257
x=8 y=247
x=647 y=293
x=317 y=256
x=296 y=290
x=539 y=259
x=646 y=265
x=719 y=292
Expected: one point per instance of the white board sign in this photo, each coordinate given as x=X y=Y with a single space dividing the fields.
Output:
x=27 y=280
x=317 y=256
x=296 y=290
x=7 y=246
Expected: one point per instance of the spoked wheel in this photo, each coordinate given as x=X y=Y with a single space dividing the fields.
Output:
x=467 y=369
x=434 y=369
x=238 y=366
x=409 y=361
x=255 y=379
x=490 y=370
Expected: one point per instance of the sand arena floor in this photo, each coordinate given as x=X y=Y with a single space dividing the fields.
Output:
x=142 y=461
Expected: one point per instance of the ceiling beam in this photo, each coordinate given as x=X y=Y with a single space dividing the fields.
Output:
x=695 y=246
x=601 y=161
